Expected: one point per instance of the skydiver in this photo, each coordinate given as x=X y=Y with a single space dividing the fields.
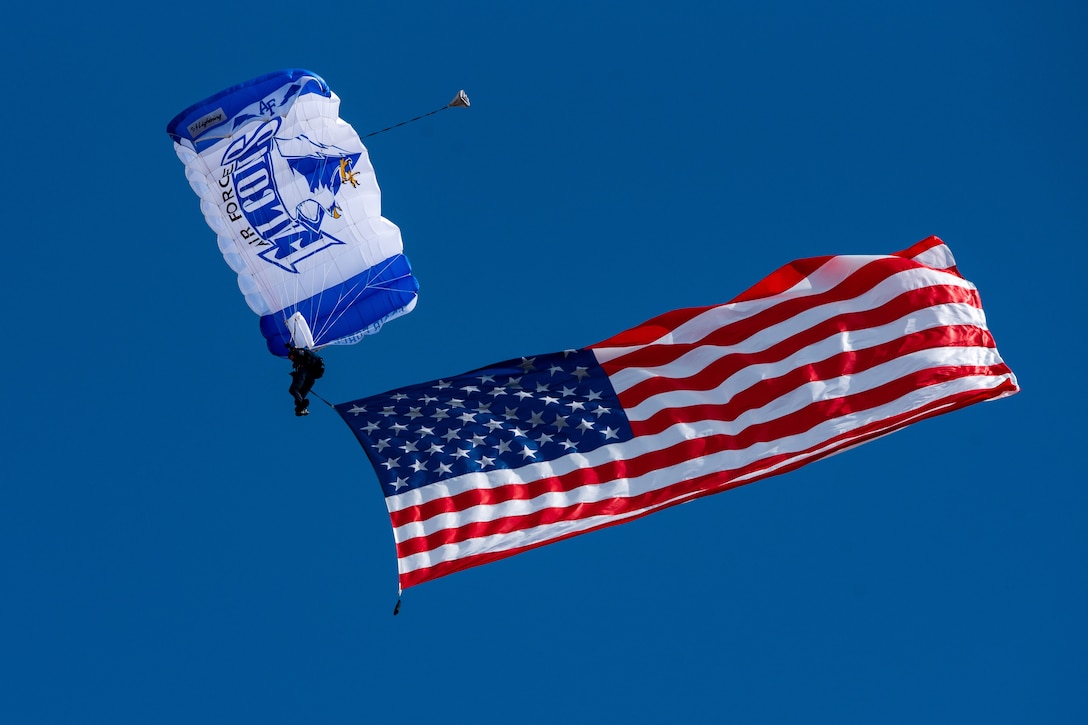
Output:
x=307 y=367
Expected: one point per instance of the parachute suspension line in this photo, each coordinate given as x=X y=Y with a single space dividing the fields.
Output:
x=254 y=271
x=336 y=313
x=287 y=312
x=459 y=101
x=345 y=299
x=332 y=320
x=319 y=334
x=297 y=279
x=349 y=297
x=297 y=295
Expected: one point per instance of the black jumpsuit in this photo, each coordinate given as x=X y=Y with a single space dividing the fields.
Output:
x=307 y=368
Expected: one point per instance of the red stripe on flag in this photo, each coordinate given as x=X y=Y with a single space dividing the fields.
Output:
x=756 y=396
x=645 y=464
x=763 y=392
x=718 y=481
x=656 y=356
x=854 y=286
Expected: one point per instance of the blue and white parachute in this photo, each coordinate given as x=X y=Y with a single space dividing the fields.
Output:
x=289 y=189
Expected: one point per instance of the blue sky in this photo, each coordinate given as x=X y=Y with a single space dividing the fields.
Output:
x=177 y=547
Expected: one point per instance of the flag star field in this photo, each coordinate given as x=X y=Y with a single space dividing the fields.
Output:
x=505 y=416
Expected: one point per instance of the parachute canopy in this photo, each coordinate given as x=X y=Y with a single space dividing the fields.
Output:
x=288 y=187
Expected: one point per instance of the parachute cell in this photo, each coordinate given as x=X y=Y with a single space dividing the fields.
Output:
x=288 y=188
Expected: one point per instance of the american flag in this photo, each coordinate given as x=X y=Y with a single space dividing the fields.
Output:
x=824 y=354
